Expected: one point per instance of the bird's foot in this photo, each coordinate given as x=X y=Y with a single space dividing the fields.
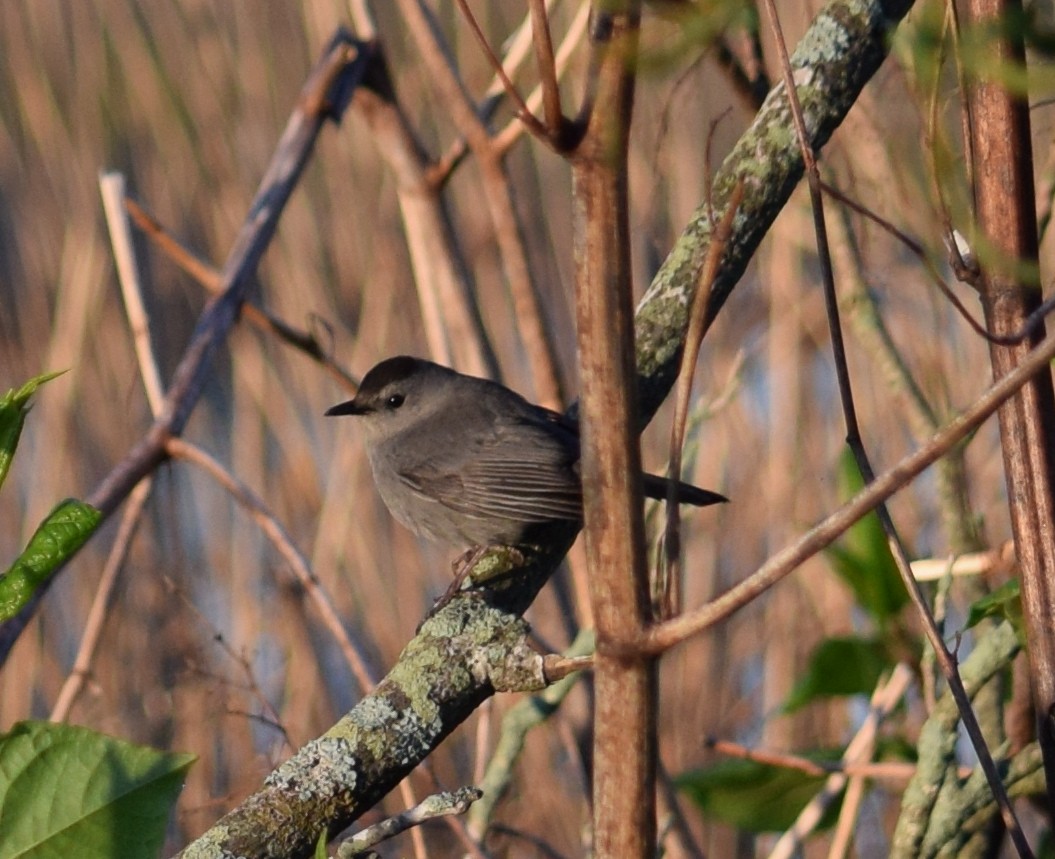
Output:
x=461 y=567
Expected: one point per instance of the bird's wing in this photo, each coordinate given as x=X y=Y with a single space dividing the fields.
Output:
x=523 y=472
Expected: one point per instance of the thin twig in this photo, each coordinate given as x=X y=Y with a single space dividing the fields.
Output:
x=1033 y=322
x=518 y=49
x=515 y=129
x=437 y=805
x=100 y=608
x=699 y=321
x=283 y=542
x=557 y=667
x=111 y=188
x=524 y=114
x=211 y=279
x=251 y=685
x=898 y=772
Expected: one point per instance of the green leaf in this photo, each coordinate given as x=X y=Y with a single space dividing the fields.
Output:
x=68 y=791
x=753 y=796
x=61 y=534
x=1003 y=603
x=840 y=666
x=14 y=406
x=862 y=557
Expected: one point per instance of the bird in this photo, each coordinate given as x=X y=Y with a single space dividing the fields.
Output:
x=468 y=462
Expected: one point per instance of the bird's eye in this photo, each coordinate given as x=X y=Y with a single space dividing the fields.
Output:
x=395 y=401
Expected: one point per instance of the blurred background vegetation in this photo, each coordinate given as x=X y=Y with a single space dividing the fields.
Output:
x=209 y=646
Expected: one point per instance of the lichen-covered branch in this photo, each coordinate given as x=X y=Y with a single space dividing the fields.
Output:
x=935 y=806
x=461 y=656
x=840 y=52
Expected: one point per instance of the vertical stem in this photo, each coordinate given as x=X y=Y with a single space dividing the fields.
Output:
x=1003 y=170
x=624 y=715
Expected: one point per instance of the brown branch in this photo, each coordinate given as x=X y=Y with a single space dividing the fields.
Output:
x=524 y=114
x=1003 y=173
x=515 y=129
x=624 y=719
x=518 y=48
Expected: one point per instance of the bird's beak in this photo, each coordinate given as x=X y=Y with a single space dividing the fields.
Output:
x=349 y=408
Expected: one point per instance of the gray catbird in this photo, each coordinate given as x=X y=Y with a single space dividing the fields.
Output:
x=469 y=462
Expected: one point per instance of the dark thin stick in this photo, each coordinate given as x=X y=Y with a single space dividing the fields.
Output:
x=532 y=122
x=547 y=67
x=1030 y=327
x=853 y=438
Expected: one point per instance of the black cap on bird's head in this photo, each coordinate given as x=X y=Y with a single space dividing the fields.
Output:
x=381 y=390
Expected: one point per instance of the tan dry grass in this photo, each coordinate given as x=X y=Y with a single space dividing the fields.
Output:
x=188 y=99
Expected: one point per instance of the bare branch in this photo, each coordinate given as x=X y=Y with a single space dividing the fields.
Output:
x=283 y=542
